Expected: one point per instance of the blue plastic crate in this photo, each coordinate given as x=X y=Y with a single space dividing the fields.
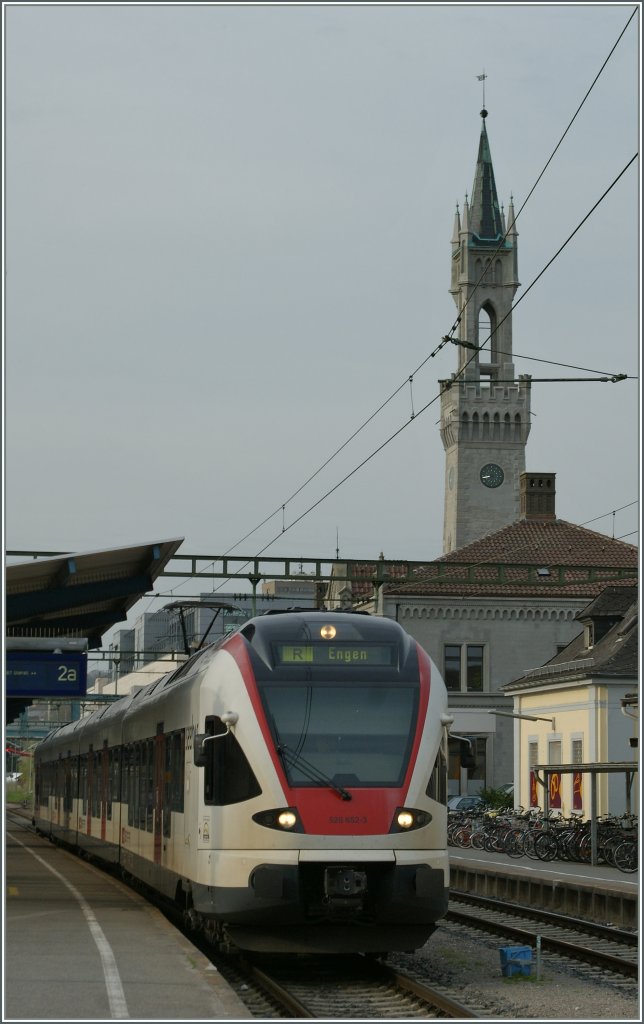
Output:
x=516 y=960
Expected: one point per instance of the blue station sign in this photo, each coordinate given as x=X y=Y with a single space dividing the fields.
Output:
x=46 y=674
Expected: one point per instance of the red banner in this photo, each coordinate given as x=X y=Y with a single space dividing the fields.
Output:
x=577 y=797
x=554 y=796
x=534 y=795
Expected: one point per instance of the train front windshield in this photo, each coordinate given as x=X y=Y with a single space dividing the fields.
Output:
x=353 y=734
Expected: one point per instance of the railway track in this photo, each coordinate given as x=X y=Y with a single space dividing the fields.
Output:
x=602 y=947
x=341 y=988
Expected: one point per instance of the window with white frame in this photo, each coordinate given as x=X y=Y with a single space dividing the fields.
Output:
x=554 y=752
x=577 y=752
x=464 y=667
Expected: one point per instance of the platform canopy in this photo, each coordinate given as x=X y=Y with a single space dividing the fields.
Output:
x=78 y=595
x=82 y=594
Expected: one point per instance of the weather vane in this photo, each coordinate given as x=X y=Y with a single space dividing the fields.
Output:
x=481 y=78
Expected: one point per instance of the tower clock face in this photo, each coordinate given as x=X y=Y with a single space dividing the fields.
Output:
x=492 y=475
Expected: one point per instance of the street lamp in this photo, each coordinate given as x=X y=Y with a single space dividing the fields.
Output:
x=528 y=718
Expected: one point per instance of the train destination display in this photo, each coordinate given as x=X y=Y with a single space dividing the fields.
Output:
x=361 y=654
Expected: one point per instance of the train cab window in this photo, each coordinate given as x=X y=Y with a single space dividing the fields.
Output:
x=228 y=777
x=357 y=734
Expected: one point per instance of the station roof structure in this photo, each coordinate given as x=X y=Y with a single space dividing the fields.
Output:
x=79 y=595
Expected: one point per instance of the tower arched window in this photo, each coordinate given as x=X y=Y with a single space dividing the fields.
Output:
x=496 y=427
x=475 y=426
x=517 y=427
x=484 y=326
x=507 y=427
x=465 y=426
x=486 y=426
x=487 y=336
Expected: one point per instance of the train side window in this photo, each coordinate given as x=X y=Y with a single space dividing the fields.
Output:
x=97 y=775
x=83 y=782
x=437 y=785
x=67 y=799
x=178 y=769
x=113 y=780
x=228 y=777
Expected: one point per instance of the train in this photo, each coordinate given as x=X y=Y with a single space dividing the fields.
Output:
x=285 y=787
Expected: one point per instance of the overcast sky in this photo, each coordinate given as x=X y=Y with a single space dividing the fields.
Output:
x=227 y=243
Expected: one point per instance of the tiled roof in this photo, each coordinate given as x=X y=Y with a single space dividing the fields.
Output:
x=612 y=602
x=547 y=542
x=529 y=558
x=616 y=654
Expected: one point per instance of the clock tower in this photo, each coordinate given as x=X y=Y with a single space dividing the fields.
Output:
x=485 y=409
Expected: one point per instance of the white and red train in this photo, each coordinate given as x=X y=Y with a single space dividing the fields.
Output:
x=285 y=786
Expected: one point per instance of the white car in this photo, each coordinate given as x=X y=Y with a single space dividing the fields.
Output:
x=465 y=803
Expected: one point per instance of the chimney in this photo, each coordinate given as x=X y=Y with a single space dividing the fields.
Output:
x=537 y=493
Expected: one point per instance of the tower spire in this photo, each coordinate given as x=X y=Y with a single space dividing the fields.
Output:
x=485 y=220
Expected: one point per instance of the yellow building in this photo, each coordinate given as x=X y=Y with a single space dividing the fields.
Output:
x=580 y=709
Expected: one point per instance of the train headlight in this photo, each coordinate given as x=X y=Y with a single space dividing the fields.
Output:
x=406 y=819
x=284 y=819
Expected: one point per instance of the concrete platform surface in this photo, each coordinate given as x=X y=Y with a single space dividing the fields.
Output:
x=80 y=945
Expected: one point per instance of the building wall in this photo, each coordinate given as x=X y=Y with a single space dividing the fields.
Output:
x=516 y=635
x=468 y=411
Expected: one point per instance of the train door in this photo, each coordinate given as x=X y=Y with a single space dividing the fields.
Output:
x=58 y=789
x=105 y=782
x=159 y=790
x=90 y=788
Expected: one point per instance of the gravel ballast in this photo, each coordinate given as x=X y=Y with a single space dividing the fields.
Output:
x=468 y=963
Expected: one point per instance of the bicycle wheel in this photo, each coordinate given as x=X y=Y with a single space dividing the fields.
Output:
x=584 y=848
x=513 y=844
x=546 y=846
x=477 y=841
x=625 y=856
x=529 y=841
x=608 y=846
x=463 y=838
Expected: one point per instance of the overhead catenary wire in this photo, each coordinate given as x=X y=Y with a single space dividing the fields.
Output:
x=413 y=418
x=432 y=354
x=415 y=415
x=409 y=379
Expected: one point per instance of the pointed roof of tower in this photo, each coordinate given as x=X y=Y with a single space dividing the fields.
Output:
x=486 y=224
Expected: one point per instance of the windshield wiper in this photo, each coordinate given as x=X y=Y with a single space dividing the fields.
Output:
x=309 y=770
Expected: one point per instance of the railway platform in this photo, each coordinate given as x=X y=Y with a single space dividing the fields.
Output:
x=80 y=945
x=591 y=892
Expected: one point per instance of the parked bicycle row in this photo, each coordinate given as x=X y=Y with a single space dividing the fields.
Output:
x=532 y=834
